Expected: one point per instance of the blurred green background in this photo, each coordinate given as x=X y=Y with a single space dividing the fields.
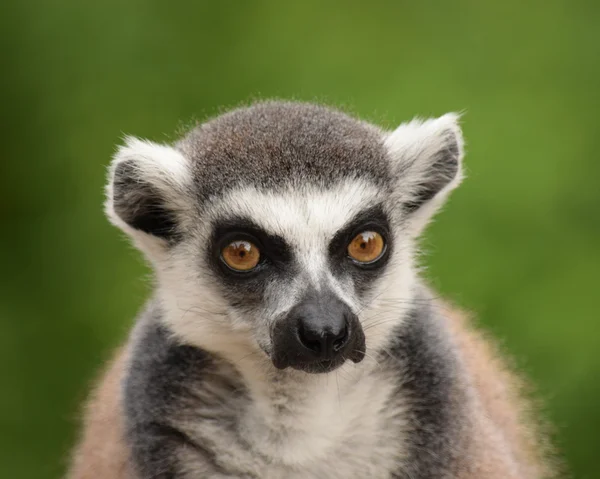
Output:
x=519 y=243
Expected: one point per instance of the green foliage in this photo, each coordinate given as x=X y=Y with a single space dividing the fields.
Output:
x=518 y=244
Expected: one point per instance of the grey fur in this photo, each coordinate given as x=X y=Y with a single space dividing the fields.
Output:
x=275 y=144
x=431 y=378
x=167 y=383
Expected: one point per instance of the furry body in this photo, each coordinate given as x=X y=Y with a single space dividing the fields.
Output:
x=196 y=394
x=498 y=437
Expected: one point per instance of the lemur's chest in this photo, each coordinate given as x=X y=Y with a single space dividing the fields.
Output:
x=332 y=428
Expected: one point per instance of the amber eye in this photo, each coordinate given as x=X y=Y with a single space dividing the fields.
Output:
x=241 y=255
x=366 y=247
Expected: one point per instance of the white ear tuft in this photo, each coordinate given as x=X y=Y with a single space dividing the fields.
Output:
x=146 y=190
x=161 y=163
x=426 y=159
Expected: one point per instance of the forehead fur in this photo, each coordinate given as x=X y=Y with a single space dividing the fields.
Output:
x=271 y=144
x=294 y=213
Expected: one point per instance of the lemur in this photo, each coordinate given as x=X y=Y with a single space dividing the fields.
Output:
x=289 y=334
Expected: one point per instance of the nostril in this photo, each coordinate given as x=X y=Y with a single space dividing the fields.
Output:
x=341 y=340
x=310 y=340
x=323 y=341
x=313 y=345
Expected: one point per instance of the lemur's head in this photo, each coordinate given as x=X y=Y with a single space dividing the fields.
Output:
x=285 y=227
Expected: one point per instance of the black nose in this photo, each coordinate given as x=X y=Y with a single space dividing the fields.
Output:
x=318 y=335
x=325 y=340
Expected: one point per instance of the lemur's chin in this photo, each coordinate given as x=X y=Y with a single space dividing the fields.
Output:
x=316 y=367
x=322 y=366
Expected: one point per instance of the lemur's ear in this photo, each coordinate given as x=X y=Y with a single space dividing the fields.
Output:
x=427 y=163
x=146 y=192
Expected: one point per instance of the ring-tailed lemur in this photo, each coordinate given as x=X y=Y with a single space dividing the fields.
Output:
x=289 y=335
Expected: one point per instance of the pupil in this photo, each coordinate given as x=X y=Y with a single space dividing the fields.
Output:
x=363 y=245
x=242 y=254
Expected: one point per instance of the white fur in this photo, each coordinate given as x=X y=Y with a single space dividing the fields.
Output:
x=161 y=166
x=412 y=146
x=335 y=413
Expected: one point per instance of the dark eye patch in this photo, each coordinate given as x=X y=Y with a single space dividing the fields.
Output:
x=244 y=290
x=227 y=229
x=372 y=219
x=273 y=248
x=141 y=205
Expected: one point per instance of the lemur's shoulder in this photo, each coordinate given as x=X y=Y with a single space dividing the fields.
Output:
x=102 y=451
x=502 y=406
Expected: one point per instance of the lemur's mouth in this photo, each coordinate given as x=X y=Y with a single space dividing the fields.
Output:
x=325 y=366
x=319 y=366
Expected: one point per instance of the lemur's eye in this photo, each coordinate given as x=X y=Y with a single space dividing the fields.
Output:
x=241 y=255
x=366 y=247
